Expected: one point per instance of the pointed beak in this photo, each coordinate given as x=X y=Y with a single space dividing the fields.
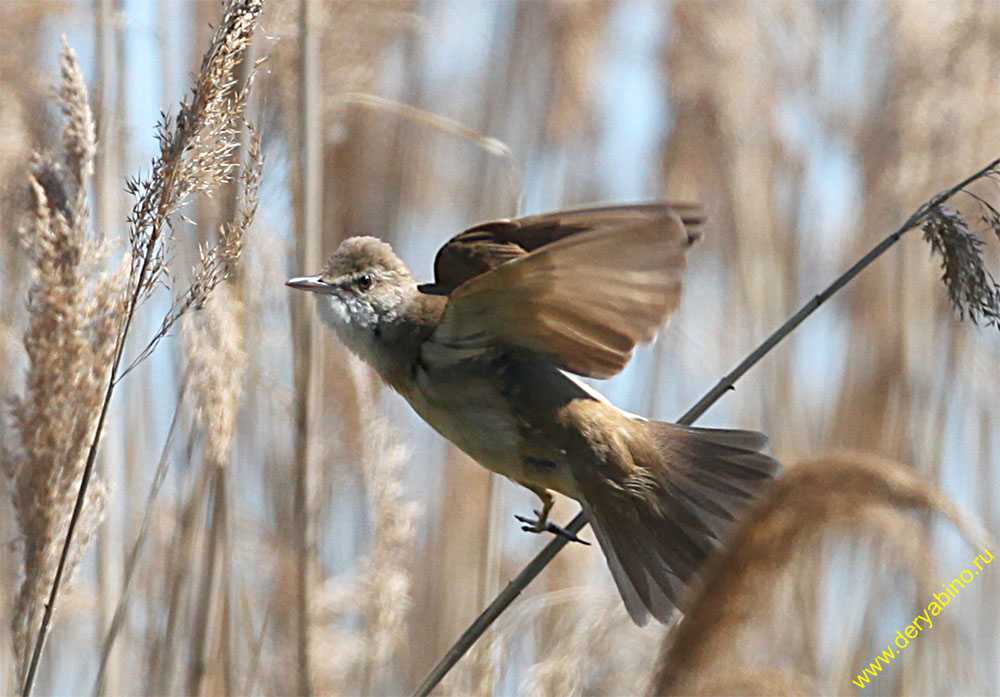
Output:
x=313 y=283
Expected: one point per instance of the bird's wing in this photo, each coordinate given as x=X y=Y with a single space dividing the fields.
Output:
x=487 y=245
x=582 y=302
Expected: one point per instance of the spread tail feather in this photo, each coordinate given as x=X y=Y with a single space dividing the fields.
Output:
x=669 y=514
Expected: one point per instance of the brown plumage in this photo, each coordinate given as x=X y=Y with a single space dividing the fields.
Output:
x=583 y=301
x=487 y=245
x=483 y=355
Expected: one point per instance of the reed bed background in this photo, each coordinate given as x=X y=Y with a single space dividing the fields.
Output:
x=267 y=519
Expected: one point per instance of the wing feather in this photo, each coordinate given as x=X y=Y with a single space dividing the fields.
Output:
x=583 y=301
x=487 y=245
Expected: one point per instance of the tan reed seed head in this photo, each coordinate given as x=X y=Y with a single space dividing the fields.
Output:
x=79 y=136
x=740 y=631
x=199 y=155
x=197 y=148
x=217 y=364
x=380 y=592
x=73 y=309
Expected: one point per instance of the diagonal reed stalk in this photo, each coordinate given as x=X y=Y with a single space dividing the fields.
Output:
x=160 y=475
x=921 y=217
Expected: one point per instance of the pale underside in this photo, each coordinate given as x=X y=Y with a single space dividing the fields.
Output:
x=474 y=410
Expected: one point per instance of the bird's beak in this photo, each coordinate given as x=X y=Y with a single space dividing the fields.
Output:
x=313 y=283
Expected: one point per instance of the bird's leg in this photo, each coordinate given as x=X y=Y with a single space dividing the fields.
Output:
x=541 y=523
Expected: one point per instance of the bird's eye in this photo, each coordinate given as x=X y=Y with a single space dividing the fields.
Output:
x=364 y=281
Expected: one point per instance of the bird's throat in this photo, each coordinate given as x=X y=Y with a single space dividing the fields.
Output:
x=389 y=344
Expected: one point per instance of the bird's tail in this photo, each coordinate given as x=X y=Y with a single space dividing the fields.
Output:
x=667 y=515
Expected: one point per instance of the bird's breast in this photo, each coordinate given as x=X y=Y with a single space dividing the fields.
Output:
x=470 y=411
x=484 y=412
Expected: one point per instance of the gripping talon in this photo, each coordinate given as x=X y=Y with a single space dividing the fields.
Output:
x=530 y=524
x=539 y=525
x=563 y=532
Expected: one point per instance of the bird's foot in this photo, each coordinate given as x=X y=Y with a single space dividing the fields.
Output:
x=541 y=523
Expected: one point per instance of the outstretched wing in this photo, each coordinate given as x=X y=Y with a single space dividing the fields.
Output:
x=583 y=301
x=487 y=245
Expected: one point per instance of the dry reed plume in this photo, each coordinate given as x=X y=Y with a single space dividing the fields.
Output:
x=73 y=309
x=384 y=577
x=756 y=624
x=217 y=364
x=196 y=157
x=197 y=150
x=971 y=287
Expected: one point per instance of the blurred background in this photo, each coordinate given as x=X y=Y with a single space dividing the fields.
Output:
x=808 y=130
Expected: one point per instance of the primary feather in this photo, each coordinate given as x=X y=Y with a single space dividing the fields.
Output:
x=583 y=302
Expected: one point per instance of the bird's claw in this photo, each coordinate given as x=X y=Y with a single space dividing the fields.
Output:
x=538 y=524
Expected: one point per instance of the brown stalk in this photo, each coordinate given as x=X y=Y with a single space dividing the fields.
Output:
x=926 y=214
x=181 y=559
x=308 y=230
x=216 y=361
x=255 y=644
x=206 y=588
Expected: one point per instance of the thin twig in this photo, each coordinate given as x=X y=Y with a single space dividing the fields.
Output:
x=198 y=663
x=256 y=646
x=159 y=477
x=178 y=565
x=548 y=553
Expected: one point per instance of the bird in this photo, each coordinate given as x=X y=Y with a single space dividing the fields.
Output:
x=491 y=353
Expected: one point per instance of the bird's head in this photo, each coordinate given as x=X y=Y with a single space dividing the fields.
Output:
x=362 y=293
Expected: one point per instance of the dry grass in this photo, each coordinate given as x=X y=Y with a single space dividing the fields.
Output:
x=973 y=292
x=377 y=597
x=79 y=322
x=808 y=130
x=197 y=157
x=217 y=365
x=73 y=308
x=758 y=623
